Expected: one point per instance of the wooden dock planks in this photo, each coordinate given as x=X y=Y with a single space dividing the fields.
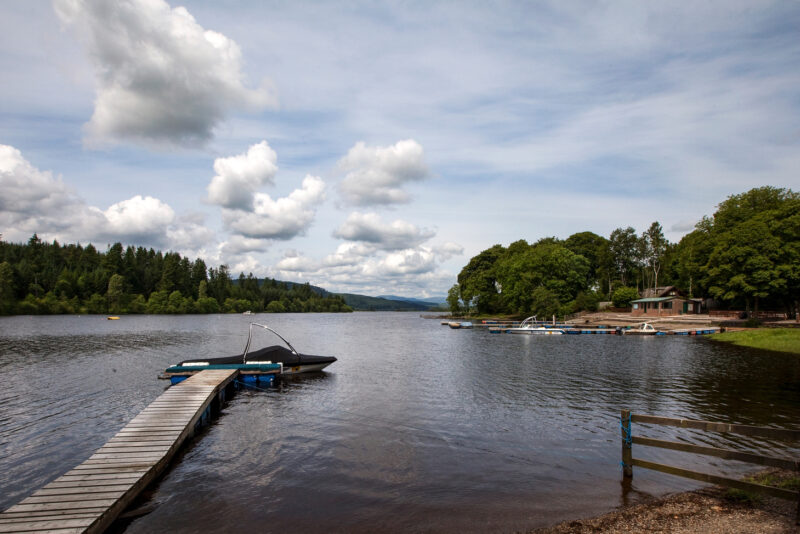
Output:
x=90 y=496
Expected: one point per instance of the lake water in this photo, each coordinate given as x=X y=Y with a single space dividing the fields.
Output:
x=417 y=427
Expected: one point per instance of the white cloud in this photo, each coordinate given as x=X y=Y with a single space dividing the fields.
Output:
x=447 y=250
x=295 y=262
x=283 y=218
x=190 y=235
x=349 y=254
x=369 y=228
x=33 y=201
x=237 y=245
x=160 y=76
x=239 y=177
x=376 y=175
x=138 y=217
x=408 y=262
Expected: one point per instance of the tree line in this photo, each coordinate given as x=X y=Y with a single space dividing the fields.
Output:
x=49 y=278
x=745 y=256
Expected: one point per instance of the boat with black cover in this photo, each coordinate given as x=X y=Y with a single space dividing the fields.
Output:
x=292 y=362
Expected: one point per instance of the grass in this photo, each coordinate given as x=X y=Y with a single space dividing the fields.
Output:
x=777 y=339
x=767 y=478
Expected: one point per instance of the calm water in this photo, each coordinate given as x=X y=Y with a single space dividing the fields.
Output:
x=417 y=427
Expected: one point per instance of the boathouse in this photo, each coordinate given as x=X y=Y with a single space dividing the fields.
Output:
x=660 y=301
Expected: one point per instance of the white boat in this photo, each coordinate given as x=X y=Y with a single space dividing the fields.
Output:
x=529 y=326
x=643 y=329
x=456 y=324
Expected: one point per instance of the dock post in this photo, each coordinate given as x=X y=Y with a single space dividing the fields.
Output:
x=627 y=441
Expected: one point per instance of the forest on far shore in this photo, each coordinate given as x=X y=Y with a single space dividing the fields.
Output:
x=50 y=278
x=746 y=256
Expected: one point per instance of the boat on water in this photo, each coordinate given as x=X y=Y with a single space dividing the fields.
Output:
x=642 y=329
x=271 y=360
x=456 y=324
x=531 y=326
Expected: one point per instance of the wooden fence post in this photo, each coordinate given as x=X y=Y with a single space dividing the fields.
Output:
x=627 y=454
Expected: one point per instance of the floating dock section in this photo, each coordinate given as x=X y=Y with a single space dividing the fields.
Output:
x=91 y=496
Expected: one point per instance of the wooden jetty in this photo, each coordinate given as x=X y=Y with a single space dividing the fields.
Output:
x=89 y=497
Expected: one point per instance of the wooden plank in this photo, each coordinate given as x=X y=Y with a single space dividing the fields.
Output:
x=129 y=454
x=57 y=530
x=113 y=462
x=139 y=448
x=45 y=516
x=110 y=469
x=62 y=506
x=38 y=526
x=136 y=442
x=132 y=444
x=771 y=461
x=722 y=481
x=91 y=495
x=88 y=484
x=84 y=489
x=73 y=497
x=746 y=430
x=9 y=518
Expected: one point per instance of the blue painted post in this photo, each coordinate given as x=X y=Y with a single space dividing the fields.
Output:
x=627 y=441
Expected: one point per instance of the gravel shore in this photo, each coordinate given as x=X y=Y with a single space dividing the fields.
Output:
x=706 y=511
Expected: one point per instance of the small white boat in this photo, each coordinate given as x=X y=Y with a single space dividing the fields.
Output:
x=530 y=326
x=456 y=324
x=643 y=329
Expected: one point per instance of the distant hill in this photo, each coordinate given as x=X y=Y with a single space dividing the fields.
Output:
x=430 y=301
x=364 y=303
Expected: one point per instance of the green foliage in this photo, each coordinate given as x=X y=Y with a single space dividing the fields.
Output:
x=454 y=299
x=116 y=291
x=6 y=288
x=547 y=265
x=478 y=281
x=755 y=248
x=207 y=305
x=622 y=296
x=591 y=246
x=775 y=339
x=276 y=307
x=746 y=256
x=46 y=278
x=544 y=302
x=586 y=300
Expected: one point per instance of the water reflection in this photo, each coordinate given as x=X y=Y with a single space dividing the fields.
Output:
x=416 y=427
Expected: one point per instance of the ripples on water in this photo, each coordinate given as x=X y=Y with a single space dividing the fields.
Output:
x=416 y=428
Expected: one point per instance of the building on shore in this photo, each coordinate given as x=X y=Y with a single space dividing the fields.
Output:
x=661 y=301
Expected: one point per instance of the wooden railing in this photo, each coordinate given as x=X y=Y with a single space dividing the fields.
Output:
x=629 y=462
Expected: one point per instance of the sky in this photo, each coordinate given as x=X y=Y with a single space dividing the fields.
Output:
x=375 y=147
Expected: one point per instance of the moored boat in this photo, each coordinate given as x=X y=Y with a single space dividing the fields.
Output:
x=643 y=329
x=274 y=359
x=530 y=326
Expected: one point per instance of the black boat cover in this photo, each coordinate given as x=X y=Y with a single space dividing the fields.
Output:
x=274 y=354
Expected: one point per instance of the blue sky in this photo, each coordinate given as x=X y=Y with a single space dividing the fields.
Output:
x=375 y=147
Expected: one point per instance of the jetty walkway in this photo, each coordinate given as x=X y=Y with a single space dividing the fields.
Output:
x=89 y=497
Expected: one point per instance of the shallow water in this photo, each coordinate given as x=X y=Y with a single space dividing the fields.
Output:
x=417 y=427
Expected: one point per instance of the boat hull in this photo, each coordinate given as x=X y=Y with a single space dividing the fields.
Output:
x=536 y=331
x=292 y=363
